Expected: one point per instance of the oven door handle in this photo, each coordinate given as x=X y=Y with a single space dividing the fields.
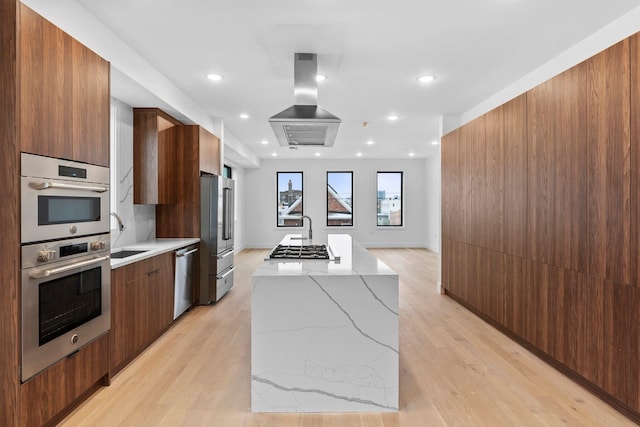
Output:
x=39 y=274
x=45 y=185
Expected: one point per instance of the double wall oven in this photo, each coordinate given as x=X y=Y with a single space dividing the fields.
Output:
x=66 y=273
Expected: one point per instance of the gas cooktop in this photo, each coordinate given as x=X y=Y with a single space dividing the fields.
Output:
x=299 y=252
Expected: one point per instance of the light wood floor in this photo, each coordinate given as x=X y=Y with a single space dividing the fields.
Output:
x=455 y=370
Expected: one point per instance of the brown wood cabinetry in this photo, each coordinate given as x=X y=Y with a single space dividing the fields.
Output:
x=64 y=94
x=195 y=147
x=9 y=218
x=515 y=176
x=540 y=214
x=154 y=155
x=609 y=183
x=63 y=385
x=556 y=170
x=141 y=306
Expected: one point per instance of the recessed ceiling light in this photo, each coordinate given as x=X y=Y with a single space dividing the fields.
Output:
x=244 y=116
x=320 y=77
x=214 y=77
x=274 y=154
x=412 y=154
x=392 y=117
x=434 y=142
x=369 y=142
x=317 y=154
x=426 y=79
x=359 y=154
x=264 y=142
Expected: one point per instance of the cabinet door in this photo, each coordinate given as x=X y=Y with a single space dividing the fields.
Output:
x=90 y=106
x=609 y=165
x=209 y=152
x=54 y=389
x=64 y=94
x=46 y=79
x=556 y=171
x=494 y=168
x=154 y=157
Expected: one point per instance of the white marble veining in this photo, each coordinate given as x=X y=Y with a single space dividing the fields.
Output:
x=325 y=340
x=139 y=220
x=152 y=247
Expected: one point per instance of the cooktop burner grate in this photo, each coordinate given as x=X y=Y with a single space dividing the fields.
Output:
x=300 y=252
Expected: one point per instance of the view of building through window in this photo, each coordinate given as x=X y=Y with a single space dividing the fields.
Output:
x=389 y=199
x=339 y=199
x=290 y=208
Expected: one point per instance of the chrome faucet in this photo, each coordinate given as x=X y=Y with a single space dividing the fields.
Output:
x=310 y=225
x=120 y=224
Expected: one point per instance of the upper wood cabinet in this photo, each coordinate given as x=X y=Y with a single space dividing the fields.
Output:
x=209 y=149
x=196 y=146
x=64 y=94
x=154 y=157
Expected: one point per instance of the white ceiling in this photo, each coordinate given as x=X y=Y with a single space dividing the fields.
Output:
x=372 y=52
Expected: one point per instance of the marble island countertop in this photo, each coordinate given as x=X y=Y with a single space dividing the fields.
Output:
x=152 y=248
x=324 y=335
x=354 y=259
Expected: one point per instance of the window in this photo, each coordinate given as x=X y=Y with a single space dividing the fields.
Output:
x=389 y=199
x=289 y=199
x=226 y=171
x=339 y=199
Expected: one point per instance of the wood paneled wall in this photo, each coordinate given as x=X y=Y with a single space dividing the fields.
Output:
x=540 y=214
x=9 y=214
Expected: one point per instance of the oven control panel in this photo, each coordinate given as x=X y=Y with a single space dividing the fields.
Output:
x=60 y=250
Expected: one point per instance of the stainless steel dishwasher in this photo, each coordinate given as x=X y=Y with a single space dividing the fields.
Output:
x=185 y=276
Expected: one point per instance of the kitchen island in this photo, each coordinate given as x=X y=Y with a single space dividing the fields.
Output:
x=324 y=333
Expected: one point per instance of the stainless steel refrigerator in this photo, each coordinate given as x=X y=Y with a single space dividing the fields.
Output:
x=216 y=234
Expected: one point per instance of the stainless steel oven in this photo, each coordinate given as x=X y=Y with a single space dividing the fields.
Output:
x=66 y=296
x=62 y=198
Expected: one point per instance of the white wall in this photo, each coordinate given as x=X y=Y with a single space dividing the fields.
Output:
x=139 y=220
x=260 y=201
x=432 y=202
x=238 y=175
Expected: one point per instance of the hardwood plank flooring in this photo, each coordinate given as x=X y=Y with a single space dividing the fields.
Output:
x=455 y=370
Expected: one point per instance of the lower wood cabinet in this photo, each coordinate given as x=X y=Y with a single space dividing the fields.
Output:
x=54 y=392
x=141 y=306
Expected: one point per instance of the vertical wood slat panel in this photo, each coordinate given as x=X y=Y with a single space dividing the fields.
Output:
x=540 y=112
x=9 y=218
x=570 y=215
x=478 y=168
x=635 y=160
x=494 y=172
x=466 y=188
x=447 y=172
x=556 y=164
x=515 y=176
x=635 y=220
x=608 y=139
x=45 y=87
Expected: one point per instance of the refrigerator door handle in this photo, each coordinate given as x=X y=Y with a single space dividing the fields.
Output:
x=226 y=215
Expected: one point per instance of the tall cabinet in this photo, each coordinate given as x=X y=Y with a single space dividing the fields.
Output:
x=540 y=208
x=55 y=102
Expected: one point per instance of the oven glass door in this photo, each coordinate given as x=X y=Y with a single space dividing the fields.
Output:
x=65 y=305
x=67 y=302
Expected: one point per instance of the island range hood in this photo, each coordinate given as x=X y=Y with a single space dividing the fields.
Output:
x=305 y=124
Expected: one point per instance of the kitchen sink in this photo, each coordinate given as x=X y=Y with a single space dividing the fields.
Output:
x=126 y=253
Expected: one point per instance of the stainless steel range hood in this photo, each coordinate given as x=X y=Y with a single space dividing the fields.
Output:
x=305 y=124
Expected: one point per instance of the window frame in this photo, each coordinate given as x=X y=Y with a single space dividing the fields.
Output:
x=327 y=200
x=401 y=200
x=228 y=174
x=278 y=198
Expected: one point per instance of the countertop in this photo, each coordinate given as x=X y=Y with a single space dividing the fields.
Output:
x=354 y=260
x=153 y=248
